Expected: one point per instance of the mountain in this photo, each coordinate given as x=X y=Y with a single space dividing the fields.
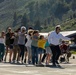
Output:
x=40 y=14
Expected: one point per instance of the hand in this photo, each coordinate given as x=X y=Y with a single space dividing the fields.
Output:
x=12 y=37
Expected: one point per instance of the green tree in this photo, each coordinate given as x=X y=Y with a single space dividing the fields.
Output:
x=37 y=25
x=37 y=12
x=25 y=20
x=61 y=9
x=74 y=5
x=68 y=1
x=1 y=1
x=32 y=12
x=15 y=19
x=45 y=23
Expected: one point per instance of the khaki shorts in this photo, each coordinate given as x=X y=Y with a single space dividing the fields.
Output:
x=29 y=51
x=48 y=50
x=16 y=47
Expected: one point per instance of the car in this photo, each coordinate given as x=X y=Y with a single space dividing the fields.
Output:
x=72 y=46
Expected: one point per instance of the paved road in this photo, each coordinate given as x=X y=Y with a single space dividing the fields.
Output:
x=14 y=69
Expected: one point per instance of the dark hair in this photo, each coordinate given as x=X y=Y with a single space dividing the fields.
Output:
x=30 y=28
x=57 y=28
x=41 y=36
x=63 y=41
x=12 y=34
x=35 y=31
x=17 y=30
x=7 y=28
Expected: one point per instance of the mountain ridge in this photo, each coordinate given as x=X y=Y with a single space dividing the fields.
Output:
x=40 y=14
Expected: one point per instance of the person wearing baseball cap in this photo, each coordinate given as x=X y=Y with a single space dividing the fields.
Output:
x=23 y=28
x=21 y=41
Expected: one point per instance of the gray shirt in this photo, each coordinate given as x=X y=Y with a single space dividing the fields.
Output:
x=21 y=39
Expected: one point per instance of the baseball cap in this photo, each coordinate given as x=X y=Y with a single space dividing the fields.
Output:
x=23 y=28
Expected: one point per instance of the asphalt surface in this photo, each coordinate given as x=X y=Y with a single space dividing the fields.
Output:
x=25 y=69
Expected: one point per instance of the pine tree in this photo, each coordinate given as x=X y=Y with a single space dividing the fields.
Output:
x=31 y=13
x=15 y=20
x=37 y=25
x=25 y=20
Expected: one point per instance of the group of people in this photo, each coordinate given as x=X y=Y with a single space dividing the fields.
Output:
x=30 y=46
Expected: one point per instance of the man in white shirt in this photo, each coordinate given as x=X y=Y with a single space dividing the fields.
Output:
x=54 y=40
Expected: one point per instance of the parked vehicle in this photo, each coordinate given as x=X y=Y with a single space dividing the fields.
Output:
x=72 y=47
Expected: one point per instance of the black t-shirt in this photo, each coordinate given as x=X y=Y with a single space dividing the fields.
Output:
x=8 y=38
x=11 y=41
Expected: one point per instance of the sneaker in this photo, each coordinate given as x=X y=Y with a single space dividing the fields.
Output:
x=56 y=62
x=14 y=61
x=47 y=63
x=59 y=66
x=54 y=65
x=18 y=62
x=33 y=63
x=22 y=62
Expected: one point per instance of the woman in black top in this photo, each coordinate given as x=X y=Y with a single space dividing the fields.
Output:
x=11 y=47
x=7 y=41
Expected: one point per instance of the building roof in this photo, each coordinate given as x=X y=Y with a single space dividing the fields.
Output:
x=65 y=33
x=68 y=33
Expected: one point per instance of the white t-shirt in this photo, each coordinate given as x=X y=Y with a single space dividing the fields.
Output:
x=2 y=40
x=29 y=41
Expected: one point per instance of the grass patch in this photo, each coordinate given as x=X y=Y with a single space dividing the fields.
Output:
x=73 y=52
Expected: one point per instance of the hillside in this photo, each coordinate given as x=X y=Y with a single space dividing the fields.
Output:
x=40 y=14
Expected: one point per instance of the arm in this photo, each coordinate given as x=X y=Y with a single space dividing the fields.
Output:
x=64 y=38
x=49 y=38
x=35 y=38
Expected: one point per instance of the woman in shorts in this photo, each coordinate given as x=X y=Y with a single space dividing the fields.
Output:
x=48 y=53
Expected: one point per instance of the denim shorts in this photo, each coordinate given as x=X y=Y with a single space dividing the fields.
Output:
x=40 y=50
x=11 y=46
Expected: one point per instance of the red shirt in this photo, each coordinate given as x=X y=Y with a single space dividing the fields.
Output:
x=63 y=47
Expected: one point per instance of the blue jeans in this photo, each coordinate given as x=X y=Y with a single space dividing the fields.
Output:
x=2 y=50
x=34 y=54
